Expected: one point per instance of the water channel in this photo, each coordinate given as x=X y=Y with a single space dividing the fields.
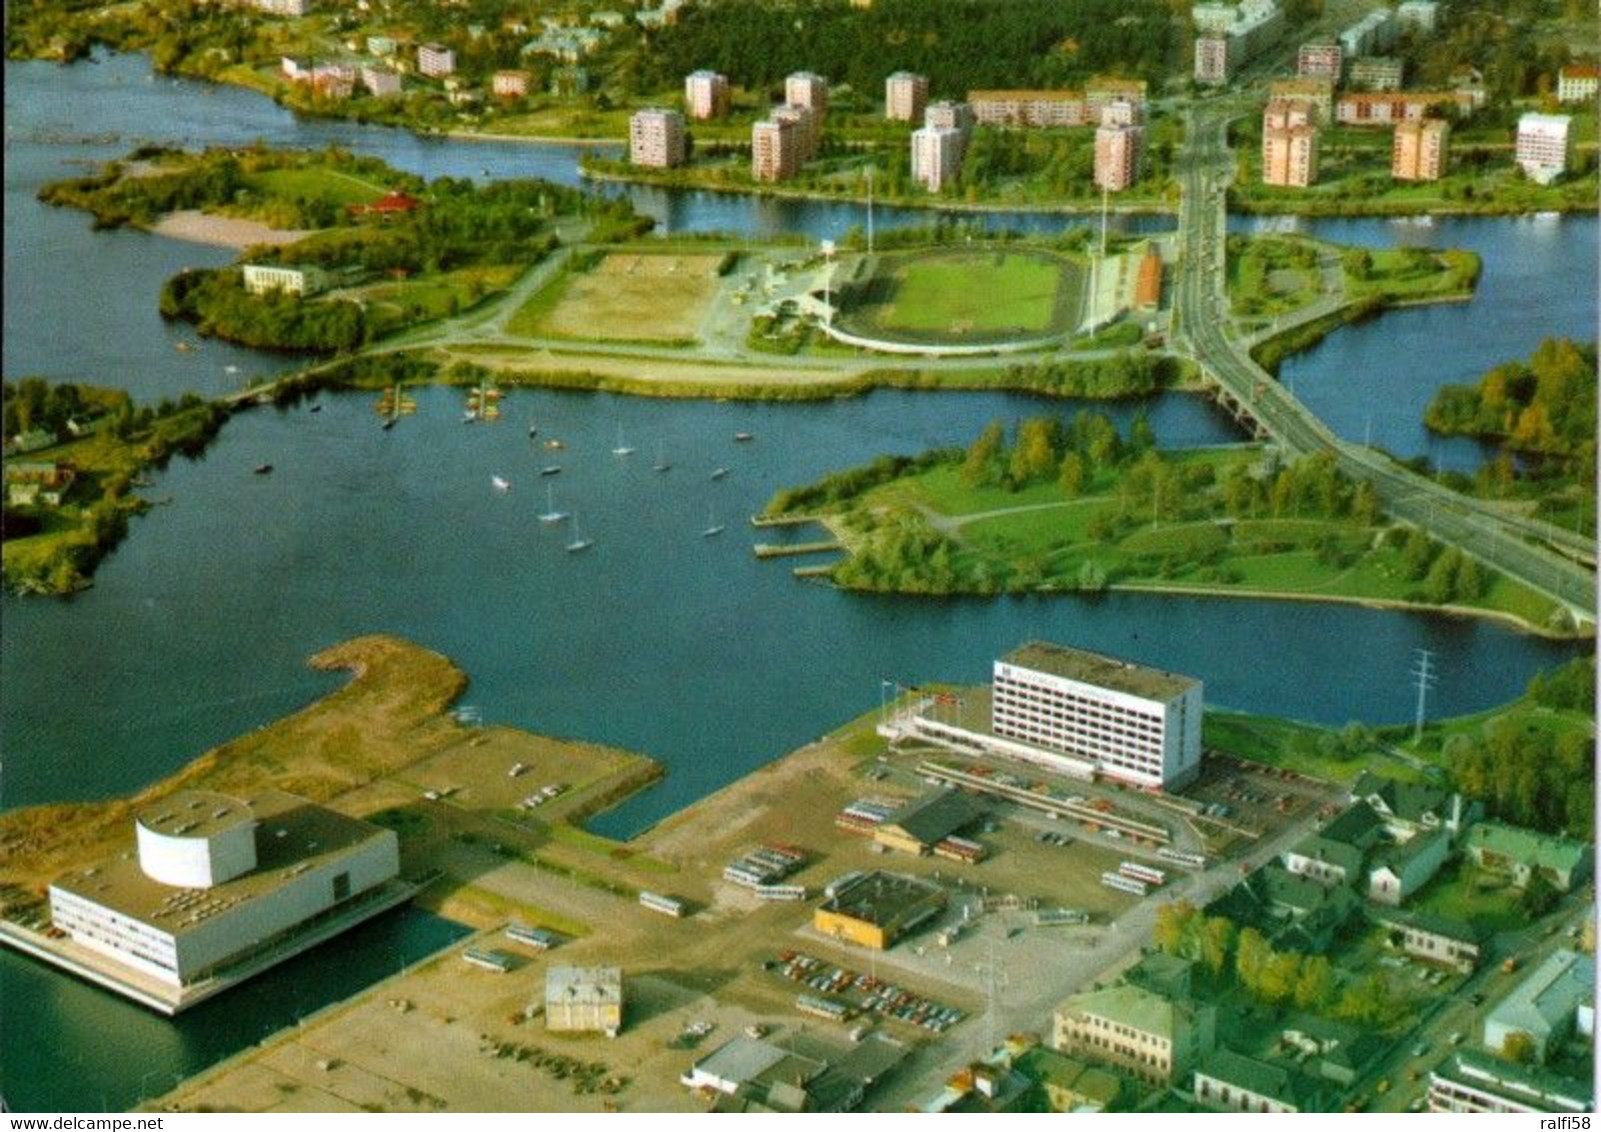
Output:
x=657 y=640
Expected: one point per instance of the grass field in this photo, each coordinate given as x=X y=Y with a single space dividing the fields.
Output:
x=625 y=297
x=987 y=294
x=332 y=185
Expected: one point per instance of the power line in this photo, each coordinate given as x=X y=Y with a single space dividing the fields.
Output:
x=1425 y=679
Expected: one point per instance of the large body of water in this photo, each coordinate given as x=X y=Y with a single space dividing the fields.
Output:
x=656 y=640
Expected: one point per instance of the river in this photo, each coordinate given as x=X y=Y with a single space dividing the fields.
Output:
x=657 y=640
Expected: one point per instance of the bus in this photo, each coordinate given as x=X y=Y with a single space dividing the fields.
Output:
x=666 y=905
x=1136 y=871
x=1124 y=884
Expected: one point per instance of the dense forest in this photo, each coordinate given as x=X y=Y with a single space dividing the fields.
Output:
x=958 y=44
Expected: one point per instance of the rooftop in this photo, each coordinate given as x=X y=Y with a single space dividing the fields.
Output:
x=1102 y=671
x=881 y=898
x=195 y=813
x=1262 y=1078
x=1025 y=95
x=584 y=986
x=1549 y=995
x=934 y=816
x=1526 y=846
x=292 y=836
x=1131 y=1006
x=1528 y=1084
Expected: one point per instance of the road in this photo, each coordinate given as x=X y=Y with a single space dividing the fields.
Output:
x=1498 y=539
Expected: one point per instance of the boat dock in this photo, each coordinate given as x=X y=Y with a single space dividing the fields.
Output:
x=813 y=571
x=784 y=520
x=788 y=550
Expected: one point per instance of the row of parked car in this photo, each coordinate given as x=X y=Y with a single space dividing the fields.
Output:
x=866 y=993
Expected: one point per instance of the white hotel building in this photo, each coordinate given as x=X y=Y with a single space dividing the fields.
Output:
x=1075 y=713
x=217 y=882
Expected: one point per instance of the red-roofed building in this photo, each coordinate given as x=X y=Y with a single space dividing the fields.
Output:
x=390 y=204
x=1578 y=82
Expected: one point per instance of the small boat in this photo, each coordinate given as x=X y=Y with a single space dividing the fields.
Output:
x=719 y=473
x=317 y=408
x=533 y=431
x=550 y=470
x=263 y=469
x=230 y=369
x=713 y=527
x=183 y=347
x=744 y=436
x=389 y=423
x=554 y=444
x=621 y=449
x=469 y=416
x=662 y=464
x=499 y=483
x=579 y=541
x=551 y=515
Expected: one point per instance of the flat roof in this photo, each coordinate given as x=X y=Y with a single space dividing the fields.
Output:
x=1102 y=671
x=880 y=898
x=585 y=986
x=292 y=837
x=195 y=813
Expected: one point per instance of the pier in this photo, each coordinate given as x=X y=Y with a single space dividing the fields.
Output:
x=784 y=520
x=788 y=550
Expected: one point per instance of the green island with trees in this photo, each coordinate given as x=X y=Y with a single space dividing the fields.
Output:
x=1083 y=509
x=105 y=442
x=395 y=251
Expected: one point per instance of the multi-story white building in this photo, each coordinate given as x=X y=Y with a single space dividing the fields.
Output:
x=380 y=82
x=1373 y=32
x=435 y=60
x=936 y=156
x=1103 y=90
x=1421 y=14
x=706 y=95
x=947 y=115
x=1119 y=145
x=510 y=84
x=263 y=278
x=775 y=150
x=807 y=125
x=217 y=881
x=1215 y=59
x=1544 y=143
x=1319 y=61
x=656 y=138
x=1578 y=82
x=803 y=88
x=1132 y=723
x=1475 y=1082
x=1028 y=107
x=1375 y=72
x=905 y=96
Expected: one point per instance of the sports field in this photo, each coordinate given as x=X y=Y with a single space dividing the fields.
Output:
x=627 y=297
x=962 y=296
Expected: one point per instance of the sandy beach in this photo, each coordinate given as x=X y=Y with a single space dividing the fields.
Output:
x=223 y=231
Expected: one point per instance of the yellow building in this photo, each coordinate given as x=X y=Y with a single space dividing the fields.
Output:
x=879 y=908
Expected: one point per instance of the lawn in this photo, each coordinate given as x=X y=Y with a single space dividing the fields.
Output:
x=969 y=295
x=1457 y=892
x=332 y=185
x=628 y=297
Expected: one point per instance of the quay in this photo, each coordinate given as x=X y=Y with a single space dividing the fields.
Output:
x=776 y=550
x=785 y=520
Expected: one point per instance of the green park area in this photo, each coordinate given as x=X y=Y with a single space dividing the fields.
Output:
x=1082 y=508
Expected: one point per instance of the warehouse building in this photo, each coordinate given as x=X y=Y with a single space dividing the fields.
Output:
x=923 y=823
x=879 y=908
x=584 y=999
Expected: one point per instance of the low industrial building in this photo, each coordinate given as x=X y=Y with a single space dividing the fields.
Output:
x=584 y=1000
x=797 y=1073
x=923 y=823
x=878 y=908
x=1554 y=1001
x=220 y=883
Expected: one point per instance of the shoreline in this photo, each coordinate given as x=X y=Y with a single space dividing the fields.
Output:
x=195 y=226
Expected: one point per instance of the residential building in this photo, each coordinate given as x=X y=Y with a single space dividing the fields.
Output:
x=1397 y=872
x=1216 y=57
x=947 y=115
x=214 y=881
x=1385 y=108
x=1118 y=148
x=1553 y=1002
x=985 y=1087
x=1374 y=72
x=1167 y=975
x=1132 y=723
x=803 y=88
x=381 y=45
x=1474 y=1082
x=380 y=82
x=1147 y=1036
x=1333 y=1051
x=1319 y=61
x=1434 y=939
x=510 y=84
x=1289 y=144
x=808 y=126
x=905 y=97
x=656 y=138
x=1068 y=1083
x=1226 y=1081
x=1103 y=90
x=1578 y=82
x=1336 y=853
x=1420 y=15
x=1544 y=146
x=260 y=279
x=878 y=908
x=1420 y=150
x=30 y=483
x=706 y=95
x=435 y=60
x=291 y=8
x=775 y=150
x=1518 y=853
x=1410 y=808
x=584 y=999
x=1034 y=108
x=1373 y=32
x=1294 y=913
x=1319 y=92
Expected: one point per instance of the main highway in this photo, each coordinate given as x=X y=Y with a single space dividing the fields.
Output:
x=1525 y=549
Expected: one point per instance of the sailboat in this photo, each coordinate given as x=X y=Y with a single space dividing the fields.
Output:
x=551 y=515
x=533 y=431
x=662 y=463
x=719 y=473
x=499 y=484
x=579 y=541
x=713 y=527
x=621 y=449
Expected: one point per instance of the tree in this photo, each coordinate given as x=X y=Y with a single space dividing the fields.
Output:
x=979 y=466
x=1217 y=942
x=1279 y=977
x=1174 y=927
x=1034 y=456
x=1315 y=986
x=1250 y=959
x=1072 y=475
x=1519 y=1047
